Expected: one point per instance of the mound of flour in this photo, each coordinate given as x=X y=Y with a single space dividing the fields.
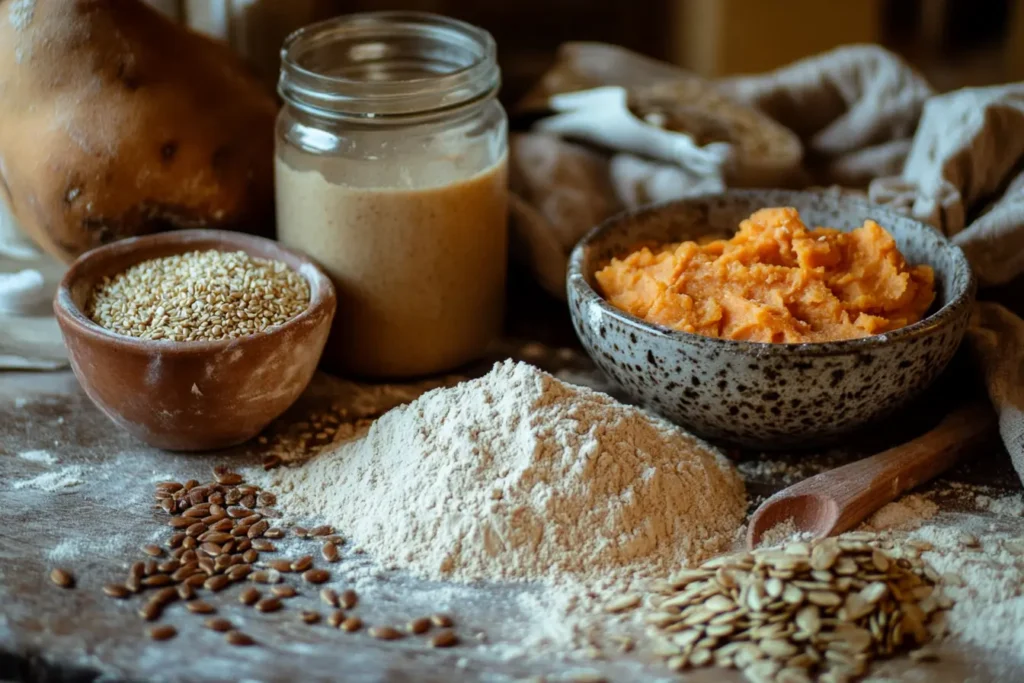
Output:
x=519 y=476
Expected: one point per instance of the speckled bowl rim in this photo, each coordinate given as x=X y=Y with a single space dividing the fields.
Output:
x=321 y=289
x=946 y=315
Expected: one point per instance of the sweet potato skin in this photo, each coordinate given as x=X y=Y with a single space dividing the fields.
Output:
x=116 y=122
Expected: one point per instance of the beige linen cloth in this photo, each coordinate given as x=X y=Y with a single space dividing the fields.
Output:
x=866 y=120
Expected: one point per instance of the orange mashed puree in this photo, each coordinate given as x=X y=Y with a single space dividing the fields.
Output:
x=776 y=280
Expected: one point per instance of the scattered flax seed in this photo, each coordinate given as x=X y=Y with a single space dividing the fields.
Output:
x=418 y=626
x=164 y=632
x=116 y=590
x=280 y=565
x=228 y=478
x=267 y=576
x=309 y=616
x=274 y=533
x=385 y=633
x=442 y=621
x=335 y=618
x=446 y=638
x=302 y=564
x=62 y=578
x=329 y=552
x=151 y=611
x=196 y=580
x=352 y=624
x=284 y=591
x=218 y=624
x=329 y=596
x=200 y=607
x=263 y=545
x=157 y=580
x=323 y=530
x=271 y=604
x=316 y=575
x=238 y=638
x=300 y=532
x=153 y=550
x=250 y=596
x=348 y=598
x=217 y=582
x=199 y=296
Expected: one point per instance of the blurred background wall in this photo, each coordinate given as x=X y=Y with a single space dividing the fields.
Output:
x=955 y=43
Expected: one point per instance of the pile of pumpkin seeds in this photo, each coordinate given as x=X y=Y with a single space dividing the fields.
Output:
x=221 y=532
x=806 y=611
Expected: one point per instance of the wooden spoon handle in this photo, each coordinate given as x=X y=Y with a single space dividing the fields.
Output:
x=860 y=488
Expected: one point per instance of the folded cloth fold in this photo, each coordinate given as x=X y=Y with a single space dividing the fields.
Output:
x=997 y=340
x=963 y=175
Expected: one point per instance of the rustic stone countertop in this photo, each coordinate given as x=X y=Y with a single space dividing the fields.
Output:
x=76 y=492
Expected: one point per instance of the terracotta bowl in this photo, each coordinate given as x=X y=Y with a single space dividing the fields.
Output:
x=191 y=396
x=767 y=395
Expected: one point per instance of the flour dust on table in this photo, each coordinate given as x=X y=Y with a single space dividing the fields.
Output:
x=519 y=476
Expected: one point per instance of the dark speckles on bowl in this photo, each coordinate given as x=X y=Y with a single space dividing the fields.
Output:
x=767 y=395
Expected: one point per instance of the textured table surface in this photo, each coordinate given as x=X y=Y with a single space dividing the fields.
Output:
x=86 y=505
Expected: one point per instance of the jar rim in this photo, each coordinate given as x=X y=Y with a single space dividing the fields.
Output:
x=388 y=64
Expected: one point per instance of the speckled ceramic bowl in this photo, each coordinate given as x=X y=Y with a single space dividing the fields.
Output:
x=767 y=395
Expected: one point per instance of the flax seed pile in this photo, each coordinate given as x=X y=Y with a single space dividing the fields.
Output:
x=223 y=536
x=199 y=296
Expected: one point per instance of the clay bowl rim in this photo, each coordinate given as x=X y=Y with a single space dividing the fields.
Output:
x=321 y=289
x=946 y=315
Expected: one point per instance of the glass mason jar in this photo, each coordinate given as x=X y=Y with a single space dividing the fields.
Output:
x=391 y=172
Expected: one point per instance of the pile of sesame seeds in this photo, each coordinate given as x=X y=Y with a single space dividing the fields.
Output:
x=199 y=296
x=222 y=534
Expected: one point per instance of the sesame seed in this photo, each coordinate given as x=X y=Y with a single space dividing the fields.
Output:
x=157 y=299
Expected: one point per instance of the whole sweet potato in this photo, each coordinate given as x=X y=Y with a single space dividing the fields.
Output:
x=115 y=121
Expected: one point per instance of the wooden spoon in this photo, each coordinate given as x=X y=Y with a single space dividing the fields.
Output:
x=832 y=502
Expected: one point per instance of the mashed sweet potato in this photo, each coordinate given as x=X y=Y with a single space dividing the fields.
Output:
x=776 y=280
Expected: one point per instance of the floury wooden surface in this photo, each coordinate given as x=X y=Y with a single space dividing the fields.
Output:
x=96 y=528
